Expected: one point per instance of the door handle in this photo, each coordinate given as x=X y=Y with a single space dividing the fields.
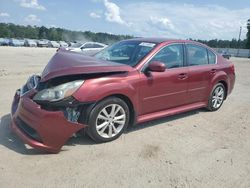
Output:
x=213 y=71
x=182 y=76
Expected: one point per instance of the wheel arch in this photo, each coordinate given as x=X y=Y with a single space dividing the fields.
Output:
x=132 y=111
x=128 y=101
x=222 y=78
x=96 y=92
x=226 y=87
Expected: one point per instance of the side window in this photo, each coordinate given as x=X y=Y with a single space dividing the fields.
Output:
x=196 y=55
x=171 y=56
x=97 y=46
x=88 y=45
x=211 y=57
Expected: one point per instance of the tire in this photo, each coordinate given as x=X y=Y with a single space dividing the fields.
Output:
x=216 y=97
x=105 y=127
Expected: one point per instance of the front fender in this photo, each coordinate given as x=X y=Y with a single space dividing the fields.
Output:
x=98 y=89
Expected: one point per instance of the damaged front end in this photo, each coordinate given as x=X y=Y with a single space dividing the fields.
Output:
x=44 y=112
x=73 y=110
x=47 y=124
x=53 y=95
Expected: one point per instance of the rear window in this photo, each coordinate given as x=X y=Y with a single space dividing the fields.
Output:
x=197 y=55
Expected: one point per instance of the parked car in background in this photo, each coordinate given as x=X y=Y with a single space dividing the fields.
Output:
x=224 y=54
x=30 y=43
x=70 y=44
x=22 y=41
x=54 y=44
x=63 y=44
x=87 y=48
x=4 y=42
x=132 y=81
x=15 y=42
x=42 y=43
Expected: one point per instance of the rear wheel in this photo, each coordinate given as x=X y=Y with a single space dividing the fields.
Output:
x=217 y=97
x=108 y=119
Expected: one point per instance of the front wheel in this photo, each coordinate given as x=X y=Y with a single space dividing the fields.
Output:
x=217 y=97
x=108 y=119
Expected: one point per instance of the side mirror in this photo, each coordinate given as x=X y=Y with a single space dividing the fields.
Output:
x=156 y=66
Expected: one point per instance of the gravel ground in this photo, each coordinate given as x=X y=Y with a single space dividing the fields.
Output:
x=194 y=149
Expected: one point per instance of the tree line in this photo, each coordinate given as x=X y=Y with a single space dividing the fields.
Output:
x=234 y=43
x=248 y=34
x=9 y=30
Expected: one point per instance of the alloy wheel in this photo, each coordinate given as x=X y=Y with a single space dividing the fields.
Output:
x=110 y=121
x=218 y=97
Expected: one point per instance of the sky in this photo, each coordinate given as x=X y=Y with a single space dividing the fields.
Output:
x=207 y=19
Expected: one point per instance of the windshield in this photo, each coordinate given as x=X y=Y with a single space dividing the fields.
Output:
x=126 y=52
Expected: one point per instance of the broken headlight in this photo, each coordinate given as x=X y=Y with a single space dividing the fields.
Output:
x=58 y=92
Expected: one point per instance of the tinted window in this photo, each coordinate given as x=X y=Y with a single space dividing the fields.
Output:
x=92 y=45
x=97 y=46
x=88 y=45
x=171 y=56
x=196 y=55
x=211 y=57
x=76 y=45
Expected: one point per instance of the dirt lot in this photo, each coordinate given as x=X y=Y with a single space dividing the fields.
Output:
x=195 y=149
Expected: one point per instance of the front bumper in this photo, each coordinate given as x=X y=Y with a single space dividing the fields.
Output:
x=39 y=128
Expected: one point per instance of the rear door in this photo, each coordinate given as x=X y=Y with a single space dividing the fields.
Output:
x=202 y=68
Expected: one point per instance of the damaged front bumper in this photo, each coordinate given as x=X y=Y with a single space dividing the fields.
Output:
x=41 y=128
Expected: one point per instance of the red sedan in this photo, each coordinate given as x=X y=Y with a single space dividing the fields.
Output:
x=130 y=82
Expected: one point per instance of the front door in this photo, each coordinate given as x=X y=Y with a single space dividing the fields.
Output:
x=164 y=90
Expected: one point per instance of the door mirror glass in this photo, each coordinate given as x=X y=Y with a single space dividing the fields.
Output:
x=157 y=66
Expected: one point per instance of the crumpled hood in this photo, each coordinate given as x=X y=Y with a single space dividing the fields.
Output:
x=65 y=63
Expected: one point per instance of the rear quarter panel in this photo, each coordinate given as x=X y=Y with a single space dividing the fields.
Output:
x=224 y=73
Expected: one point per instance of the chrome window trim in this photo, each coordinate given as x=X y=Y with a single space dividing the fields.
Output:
x=200 y=45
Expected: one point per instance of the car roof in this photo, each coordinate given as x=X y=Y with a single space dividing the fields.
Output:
x=167 y=40
x=157 y=40
x=91 y=42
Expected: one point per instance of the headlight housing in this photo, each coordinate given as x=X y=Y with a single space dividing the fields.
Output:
x=59 y=92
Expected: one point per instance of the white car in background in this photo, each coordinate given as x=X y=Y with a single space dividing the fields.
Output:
x=42 y=43
x=63 y=44
x=54 y=44
x=30 y=43
x=87 y=48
